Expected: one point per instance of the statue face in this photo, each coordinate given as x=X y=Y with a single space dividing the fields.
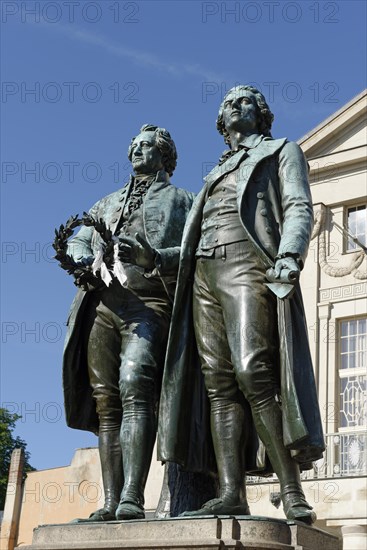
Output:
x=146 y=158
x=240 y=112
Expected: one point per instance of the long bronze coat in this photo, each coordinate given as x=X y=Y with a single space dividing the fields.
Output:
x=165 y=209
x=272 y=175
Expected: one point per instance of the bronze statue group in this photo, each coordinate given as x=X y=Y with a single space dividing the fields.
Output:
x=177 y=329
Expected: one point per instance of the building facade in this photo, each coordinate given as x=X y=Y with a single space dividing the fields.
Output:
x=334 y=286
x=335 y=292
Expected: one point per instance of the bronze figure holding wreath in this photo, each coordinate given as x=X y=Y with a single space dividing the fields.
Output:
x=125 y=258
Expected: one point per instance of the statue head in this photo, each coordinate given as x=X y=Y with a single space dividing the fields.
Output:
x=151 y=150
x=263 y=114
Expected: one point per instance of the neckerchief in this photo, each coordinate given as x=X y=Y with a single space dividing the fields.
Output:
x=140 y=187
x=228 y=153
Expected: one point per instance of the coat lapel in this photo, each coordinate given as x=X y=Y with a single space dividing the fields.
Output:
x=161 y=181
x=122 y=196
x=228 y=166
x=191 y=233
x=265 y=149
x=155 y=208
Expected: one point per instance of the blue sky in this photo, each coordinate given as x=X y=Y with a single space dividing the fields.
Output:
x=78 y=81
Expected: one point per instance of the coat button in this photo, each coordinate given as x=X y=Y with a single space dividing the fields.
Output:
x=118 y=209
x=121 y=199
x=268 y=230
x=263 y=212
x=260 y=195
x=114 y=220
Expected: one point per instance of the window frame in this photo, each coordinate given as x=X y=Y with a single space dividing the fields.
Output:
x=347 y=209
x=343 y=373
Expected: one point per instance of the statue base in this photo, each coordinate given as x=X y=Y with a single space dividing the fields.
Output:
x=222 y=532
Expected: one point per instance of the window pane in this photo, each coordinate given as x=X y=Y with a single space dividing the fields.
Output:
x=362 y=342
x=344 y=345
x=352 y=343
x=352 y=361
x=344 y=364
x=361 y=224
x=357 y=225
x=352 y=327
x=344 y=328
x=352 y=223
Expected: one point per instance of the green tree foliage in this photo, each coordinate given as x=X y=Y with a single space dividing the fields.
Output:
x=7 y=444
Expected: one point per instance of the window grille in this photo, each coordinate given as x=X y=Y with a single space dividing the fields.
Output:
x=352 y=392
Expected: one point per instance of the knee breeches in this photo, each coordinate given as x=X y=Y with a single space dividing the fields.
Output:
x=235 y=323
x=125 y=359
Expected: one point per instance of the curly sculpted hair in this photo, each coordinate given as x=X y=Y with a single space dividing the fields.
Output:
x=265 y=116
x=165 y=144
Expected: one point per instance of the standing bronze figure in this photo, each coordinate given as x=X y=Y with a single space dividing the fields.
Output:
x=254 y=214
x=116 y=343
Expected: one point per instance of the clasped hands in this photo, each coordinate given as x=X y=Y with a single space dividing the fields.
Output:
x=137 y=251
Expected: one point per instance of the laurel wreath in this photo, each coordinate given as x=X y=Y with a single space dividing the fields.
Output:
x=82 y=273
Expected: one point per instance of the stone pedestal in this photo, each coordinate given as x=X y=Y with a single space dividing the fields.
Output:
x=224 y=533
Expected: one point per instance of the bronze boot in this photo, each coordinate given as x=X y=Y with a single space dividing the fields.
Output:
x=112 y=475
x=137 y=442
x=228 y=432
x=268 y=422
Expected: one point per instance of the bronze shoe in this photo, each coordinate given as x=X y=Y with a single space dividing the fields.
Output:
x=103 y=514
x=218 y=507
x=297 y=508
x=129 y=510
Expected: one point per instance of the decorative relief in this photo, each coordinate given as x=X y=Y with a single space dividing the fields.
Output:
x=343 y=292
x=355 y=260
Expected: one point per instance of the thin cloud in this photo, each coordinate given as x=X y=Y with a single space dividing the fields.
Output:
x=139 y=57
